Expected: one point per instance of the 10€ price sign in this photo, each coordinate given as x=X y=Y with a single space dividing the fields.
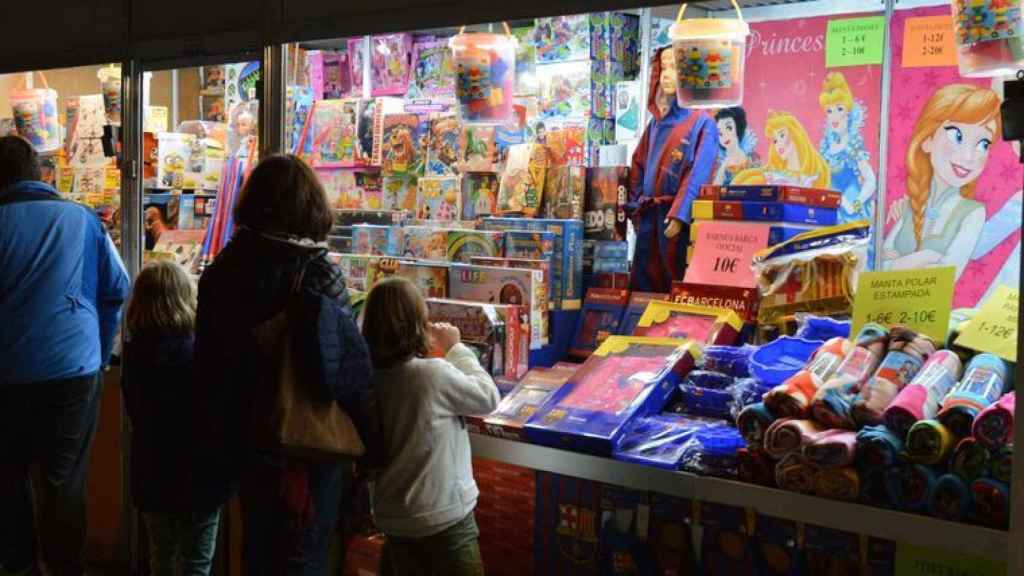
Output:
x=918 y=299
x=928 y=41
x=994 y=329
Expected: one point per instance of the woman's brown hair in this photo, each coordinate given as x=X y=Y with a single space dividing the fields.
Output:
x=163 y=301
x=395 y=323
x=282 y=195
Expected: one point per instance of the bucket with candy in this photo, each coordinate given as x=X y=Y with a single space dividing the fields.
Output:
x=35 y=115
x=710 y=54
x=485 y=67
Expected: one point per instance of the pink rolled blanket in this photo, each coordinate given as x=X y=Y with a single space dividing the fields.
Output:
x=832 y=449
x=922 y=398
x=994 y=426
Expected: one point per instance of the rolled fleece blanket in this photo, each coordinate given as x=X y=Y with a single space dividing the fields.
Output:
x=837 y=483
x=985 y=378
x=991 y=503
x=755 y=467
x=951 y=499
x=878 y=447
x=873 y=488
x=753 y=422
x=795 y=474
x=1001 y=464
x=789 y=435
x=792 y=398
x=994 y=426
x=910 y=486
x=833 y=403
x=907 y=352
x=832 y=449
x=922 y=398
x=929 y=442
x=970 y=460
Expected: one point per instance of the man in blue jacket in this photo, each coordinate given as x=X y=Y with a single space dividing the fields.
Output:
x=62 y=284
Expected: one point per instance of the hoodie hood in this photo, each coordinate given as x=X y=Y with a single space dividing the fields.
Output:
x=655 y=84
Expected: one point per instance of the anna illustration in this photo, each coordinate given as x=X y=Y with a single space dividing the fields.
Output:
x=792 y=159
x=843 y=147
x=948 y=152
x=736 y=144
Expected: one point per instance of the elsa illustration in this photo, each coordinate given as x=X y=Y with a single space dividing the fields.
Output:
x=939 y=223
x=843 y=147
x=792 y=159
x=736 y=144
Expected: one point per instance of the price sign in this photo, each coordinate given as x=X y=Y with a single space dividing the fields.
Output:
x=994 y=329
x=854 y=41
x=915 y=561
x=917 y=299
x=928 y=41
x=723 y=253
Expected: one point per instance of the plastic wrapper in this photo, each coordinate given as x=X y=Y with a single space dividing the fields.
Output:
x=660 y=440
x=811 y=327
x=708 y=379
x=707 y=402
x=815 y=272
x=731 y=360
x=712 y=450
x=744 y=392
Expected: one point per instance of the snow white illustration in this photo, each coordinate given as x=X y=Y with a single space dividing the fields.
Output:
x=938 y=222
x=736 y=145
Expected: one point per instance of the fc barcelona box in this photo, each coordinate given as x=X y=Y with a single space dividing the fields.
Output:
x=523 y=401
x=624 y=378
x=815 y=197
x=718 y=326
x=764 y=212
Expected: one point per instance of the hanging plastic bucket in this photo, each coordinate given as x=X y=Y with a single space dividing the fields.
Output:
x=35 y=115
x=485 y=68
x=710 y=54
x=989 y=37
x=110 y=81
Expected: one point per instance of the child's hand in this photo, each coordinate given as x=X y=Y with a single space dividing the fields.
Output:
x=443 y=336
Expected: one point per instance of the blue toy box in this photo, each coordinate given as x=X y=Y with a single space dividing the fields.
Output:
x=567 y=266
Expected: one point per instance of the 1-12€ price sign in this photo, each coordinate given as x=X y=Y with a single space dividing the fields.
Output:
x=994 y=328
x=918 y=299
x=928 y=41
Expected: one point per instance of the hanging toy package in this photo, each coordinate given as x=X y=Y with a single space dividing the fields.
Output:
x=35 y=115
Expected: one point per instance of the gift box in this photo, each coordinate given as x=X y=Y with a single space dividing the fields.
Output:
x=736 y=210
x=439 y=198
x=564 y=189
x=604 y=212
x=624 y=378
x=803 y=214
x=519 y=287
x=567 y=268
x=403 y=145
x=638 y=302
x=493 y=331
x=743 y=301
x=523 y=401
x=578 y=89
x=464 y=245
x=717 y=326
x=433 y=70
x=478 y=149
x=786 y=194
x=600 y=318
x=611 y=36
x=479 y=195
x=400 y=193
x=444 y=148
x=390 y=63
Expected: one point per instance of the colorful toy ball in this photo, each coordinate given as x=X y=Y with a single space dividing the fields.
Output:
x=485 y=69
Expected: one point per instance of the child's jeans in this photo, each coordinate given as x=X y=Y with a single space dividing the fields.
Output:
x=188 y=539
x=451 y=552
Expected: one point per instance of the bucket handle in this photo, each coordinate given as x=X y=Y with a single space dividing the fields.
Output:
x=734 y=5
x=508 y=31
x=42 y=78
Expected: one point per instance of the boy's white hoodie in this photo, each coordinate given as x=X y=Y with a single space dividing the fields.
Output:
x=428 y=485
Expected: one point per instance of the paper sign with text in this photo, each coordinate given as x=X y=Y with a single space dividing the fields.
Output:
x=994 y=329
x=918 y=299
x=928 y=41
x=916 y=561
x=854 y=41
x=723 y=253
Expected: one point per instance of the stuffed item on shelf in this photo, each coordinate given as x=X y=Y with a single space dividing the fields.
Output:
x=674 y=158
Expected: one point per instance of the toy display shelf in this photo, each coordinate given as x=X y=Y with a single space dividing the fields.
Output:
x=914 y=529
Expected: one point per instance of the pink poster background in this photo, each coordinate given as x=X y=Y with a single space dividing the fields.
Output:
x=1001 y=179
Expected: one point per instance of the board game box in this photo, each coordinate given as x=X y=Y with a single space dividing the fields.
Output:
x=599 y=319
x=519 y=287
x=494 y=331
x=567 y=266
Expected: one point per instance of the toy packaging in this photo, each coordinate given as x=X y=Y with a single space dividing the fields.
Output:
x=372 y=113
x=524 y=400
x=578 y=89
x=399 y=193
x=567 y=525
x=494 y=331
x=520 y=287
x=599 y=319
x=564 y=188
x=743 y=301
x=444 y=150
x=534 y=246
x=611 y=36
x=390 y=61
x=355 y=268
x=787 y=194
x=464 y=245
x=624 y=529
x=425 y=243
x=433 y=70
x=526 y=61
x=430 y=277
x=352 y=217
x=627 y=111
x=336 y=83
x=181 y=161
x=567 y=267
x=403 y=144
x=541 y=289
x=356 y=62
x=439 y=198
x=522 y=183
x=334 y=132
x=479 y=195
x=376 y=240
x=735 y=210
x=352 y=188
x=609 y=257
x=638 y=302
x=623 y=378
x=720 y=326
x=478 y=149
x=299 y=102
x=567 y=141
x=605 y=208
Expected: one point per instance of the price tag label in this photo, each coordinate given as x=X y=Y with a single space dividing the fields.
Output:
x=156 y=119
x=723 y=253
x=994 y=329
x=918 y=299
x=854 y=41
x=916 y=561
x=928 y=41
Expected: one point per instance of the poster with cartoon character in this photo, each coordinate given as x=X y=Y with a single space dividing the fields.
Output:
x=953 y=193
